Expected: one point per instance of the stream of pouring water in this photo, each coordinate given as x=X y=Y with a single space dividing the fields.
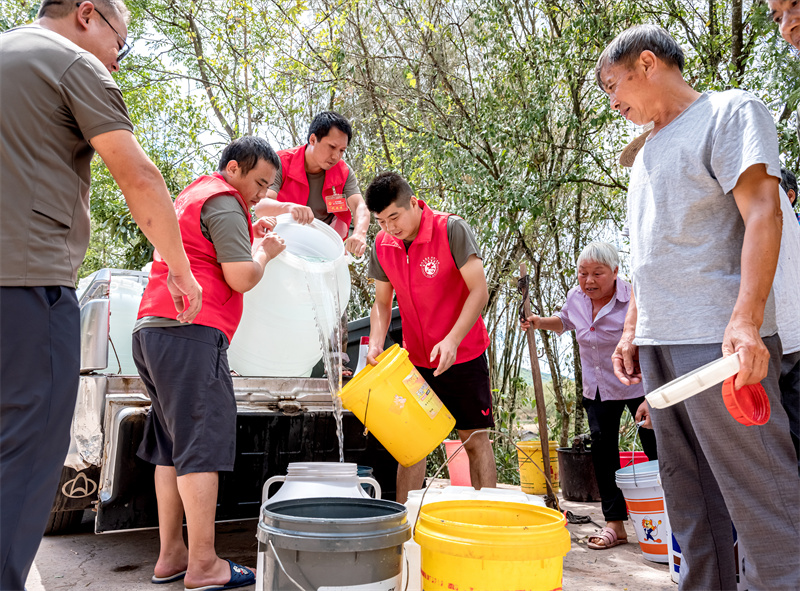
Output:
x=324 y=290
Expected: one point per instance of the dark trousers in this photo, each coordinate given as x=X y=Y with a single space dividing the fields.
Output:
x=39 y=373
x=789 y=383
x=604 y=417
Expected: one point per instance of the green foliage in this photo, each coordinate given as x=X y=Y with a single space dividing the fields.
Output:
x=489 y=108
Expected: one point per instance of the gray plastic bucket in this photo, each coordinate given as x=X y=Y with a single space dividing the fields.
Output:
x=325 y=544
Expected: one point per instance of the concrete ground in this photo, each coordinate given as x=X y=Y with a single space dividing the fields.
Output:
x=124 y=561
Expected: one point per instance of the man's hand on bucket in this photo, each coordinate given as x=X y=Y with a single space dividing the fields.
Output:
x=264 y=225
x=373 y=352
x=301 y=213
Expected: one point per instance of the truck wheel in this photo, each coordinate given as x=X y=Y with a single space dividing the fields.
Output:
x=62 y=522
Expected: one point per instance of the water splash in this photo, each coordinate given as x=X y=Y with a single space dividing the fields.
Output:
x=323 y=288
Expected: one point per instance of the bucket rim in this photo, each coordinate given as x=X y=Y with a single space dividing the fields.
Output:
x=393 y=356
x=298 y=262
x=496 y=542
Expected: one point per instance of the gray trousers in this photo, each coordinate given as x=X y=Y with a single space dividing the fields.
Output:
x=39 y=373
x=714 y=470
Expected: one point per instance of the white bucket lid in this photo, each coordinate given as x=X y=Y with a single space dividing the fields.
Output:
x=640 y=475
x=694 y=382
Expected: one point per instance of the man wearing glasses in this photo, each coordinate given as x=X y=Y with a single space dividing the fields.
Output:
x=60 y=105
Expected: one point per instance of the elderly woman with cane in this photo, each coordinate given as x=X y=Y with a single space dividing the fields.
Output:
x=596 y=310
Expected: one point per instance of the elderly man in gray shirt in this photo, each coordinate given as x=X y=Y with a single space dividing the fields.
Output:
x=60 y=104
x=705 y=228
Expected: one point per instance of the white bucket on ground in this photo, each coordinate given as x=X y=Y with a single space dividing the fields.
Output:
x=645 y=499
x=412 y=576
x=278 y=333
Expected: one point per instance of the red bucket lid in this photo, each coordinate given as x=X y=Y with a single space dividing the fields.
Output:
x=748 y=405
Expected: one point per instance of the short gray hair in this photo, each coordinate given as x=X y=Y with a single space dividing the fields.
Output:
x=629 y=45
x=60 y=8
x=599 y=252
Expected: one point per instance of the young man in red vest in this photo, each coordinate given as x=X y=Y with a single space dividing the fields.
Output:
x=433 y=263
x=190 y=433
x=314 y=182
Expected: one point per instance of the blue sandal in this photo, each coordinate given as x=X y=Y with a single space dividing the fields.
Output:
x=241 y=576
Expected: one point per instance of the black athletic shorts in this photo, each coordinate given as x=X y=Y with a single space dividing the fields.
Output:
x=192 y=421
x=466 y=391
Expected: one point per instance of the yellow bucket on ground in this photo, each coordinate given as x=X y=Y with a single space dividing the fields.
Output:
x=491 y=546
x=531 y=478
x=398 y=406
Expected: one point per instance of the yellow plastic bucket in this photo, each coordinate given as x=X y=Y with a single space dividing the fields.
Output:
x=530 y=477
x=491 y=546
x=398 y=407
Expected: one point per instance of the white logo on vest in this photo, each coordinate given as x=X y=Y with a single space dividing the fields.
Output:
x=430 y=267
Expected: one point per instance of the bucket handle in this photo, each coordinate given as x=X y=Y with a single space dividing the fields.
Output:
x=374 y=483
x=268 y=483
x=280 y=564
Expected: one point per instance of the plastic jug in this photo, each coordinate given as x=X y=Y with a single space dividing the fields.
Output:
x=305 y=480
x=278 y=333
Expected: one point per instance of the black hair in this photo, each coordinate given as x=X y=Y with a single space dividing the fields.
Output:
x=322 y=123
x=629 y=45
x=385 y=189
x=789 y=183
x=247 y=151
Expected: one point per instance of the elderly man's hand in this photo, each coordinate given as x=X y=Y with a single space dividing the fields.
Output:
x=741 y=336
x=626 y=361
x=643 y=414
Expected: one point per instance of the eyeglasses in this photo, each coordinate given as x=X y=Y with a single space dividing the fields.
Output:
x=126 y=48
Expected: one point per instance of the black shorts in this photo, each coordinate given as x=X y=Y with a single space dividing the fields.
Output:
x=192 y=421
x=466 y=391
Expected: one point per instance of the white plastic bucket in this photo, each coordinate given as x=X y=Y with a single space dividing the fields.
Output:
x=645 y=499
x=278 y=334
x=412 y=577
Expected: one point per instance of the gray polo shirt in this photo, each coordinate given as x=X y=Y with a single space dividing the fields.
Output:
x=55 y=98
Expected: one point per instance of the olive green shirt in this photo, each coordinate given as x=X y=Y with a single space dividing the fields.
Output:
x=55 y=98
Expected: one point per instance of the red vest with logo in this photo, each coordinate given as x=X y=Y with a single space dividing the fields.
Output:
x=295 y=184
x=222 y=306
x=430 y=290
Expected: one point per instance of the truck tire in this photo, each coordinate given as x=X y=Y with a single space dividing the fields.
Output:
x=62 y=522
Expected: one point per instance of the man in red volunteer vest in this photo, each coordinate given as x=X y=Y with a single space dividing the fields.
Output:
x=314 y=182
x=190 y=433
x=431 y=260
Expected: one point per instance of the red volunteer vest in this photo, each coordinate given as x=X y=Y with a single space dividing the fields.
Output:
x=430 y=290
x=222 y=306
x=295 y=184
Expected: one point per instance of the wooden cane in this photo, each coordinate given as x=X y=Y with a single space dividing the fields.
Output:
x=538 y=390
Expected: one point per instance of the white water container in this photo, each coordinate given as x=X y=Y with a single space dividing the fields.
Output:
x=278 y=333
x=413 y=561
x=306 y=480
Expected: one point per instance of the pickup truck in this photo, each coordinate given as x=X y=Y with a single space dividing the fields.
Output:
x=279 y=420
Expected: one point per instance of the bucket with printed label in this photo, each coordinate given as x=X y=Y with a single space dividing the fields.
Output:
x=331 y=544
x=645 y=499
x=398 y=407
x=531 y=476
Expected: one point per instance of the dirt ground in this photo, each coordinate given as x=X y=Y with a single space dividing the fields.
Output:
x=124 y=561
